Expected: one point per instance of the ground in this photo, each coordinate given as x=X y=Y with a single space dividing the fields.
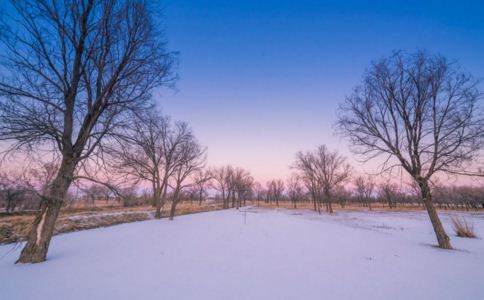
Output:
x=255 y=254
x=16 y=226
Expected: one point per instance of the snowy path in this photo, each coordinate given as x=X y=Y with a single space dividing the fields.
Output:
x=258 y=254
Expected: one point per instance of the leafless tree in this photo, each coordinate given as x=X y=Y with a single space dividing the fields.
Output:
x=222 y=180
x=389 y=192
x=364 y=189
x=275 y=190
x=148 y=151
x=95 y=192
x=223 y=177
x=295 y=189
x=12 y=192
x=322 y=171
x=70 y=72
x=190 y=159
x=342 y=194
x=241 y=186
x=234 y=184
x=420 y=111
x=258 y=190
x=24 y=185
x=202 y=180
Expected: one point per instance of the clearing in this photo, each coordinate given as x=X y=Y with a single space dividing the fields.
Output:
x=255 y=254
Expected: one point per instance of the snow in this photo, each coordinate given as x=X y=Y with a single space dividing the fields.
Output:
x=255 y=254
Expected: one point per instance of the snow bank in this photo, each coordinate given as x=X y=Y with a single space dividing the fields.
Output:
x=254 y=254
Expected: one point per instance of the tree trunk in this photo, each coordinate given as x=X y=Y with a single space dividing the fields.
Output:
x=173 y=209
x=329 y=206
x=154 y=201
x=35 y=250
x=442 y=237
x=173 y=205
x=160 y=200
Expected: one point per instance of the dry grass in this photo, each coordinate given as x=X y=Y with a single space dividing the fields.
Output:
x=463 y=228
x=376 y=207
x=348 y=207
x=15 y=227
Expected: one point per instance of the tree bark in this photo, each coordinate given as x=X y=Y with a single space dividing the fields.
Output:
x=160 y=201
x=329 y=206
x=173 y=205
x=442 y=237
x=35 y=250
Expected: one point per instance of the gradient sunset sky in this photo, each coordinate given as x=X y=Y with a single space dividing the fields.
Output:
x=261 y=80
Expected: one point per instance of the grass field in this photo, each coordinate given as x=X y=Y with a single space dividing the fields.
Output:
x=15 y=227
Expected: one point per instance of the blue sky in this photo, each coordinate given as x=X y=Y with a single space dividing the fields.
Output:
x=260 y=80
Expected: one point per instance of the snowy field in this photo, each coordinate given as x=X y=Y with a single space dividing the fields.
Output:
x=255 y=254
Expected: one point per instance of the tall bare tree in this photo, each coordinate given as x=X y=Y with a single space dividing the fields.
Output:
x=70 y=72
x=241 y=186
x=324 y=170
x=190 y=160
x=258 y=190
x=202 y=180
x=234 y=184
x=222 y=180
x=364 y=189
x=138 y=153
x=275 y=190
x=420 y=111
x=294 y=187
x=389 y=192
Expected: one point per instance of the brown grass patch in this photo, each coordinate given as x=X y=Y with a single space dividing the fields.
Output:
x=15 y=227
x=463 y=228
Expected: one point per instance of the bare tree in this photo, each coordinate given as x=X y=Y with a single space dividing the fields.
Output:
x=71 y=70
x=305 y=164
x=150 y=150
x=275 y=190
x=388 y=192
x=241 y=186
x=222 y=178
x=258 y=190
x=202 y=180
x=420 y=111
x=294 y=188
x=95 y=192
x=12 y=191
x=139 y=153
x=190 y=159
x=323 y=171
x=234 y=184
x=364 y=189
x=341 y=194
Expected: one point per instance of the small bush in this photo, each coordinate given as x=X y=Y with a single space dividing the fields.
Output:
x=463 y=228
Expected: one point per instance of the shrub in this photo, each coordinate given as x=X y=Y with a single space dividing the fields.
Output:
x=463 y=228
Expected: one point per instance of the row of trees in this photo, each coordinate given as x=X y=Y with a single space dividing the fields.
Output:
x=233 y=187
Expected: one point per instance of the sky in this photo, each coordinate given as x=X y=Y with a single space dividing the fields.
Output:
x=261 y=80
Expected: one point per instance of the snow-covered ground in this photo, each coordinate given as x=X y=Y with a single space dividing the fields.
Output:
x=255 y=254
